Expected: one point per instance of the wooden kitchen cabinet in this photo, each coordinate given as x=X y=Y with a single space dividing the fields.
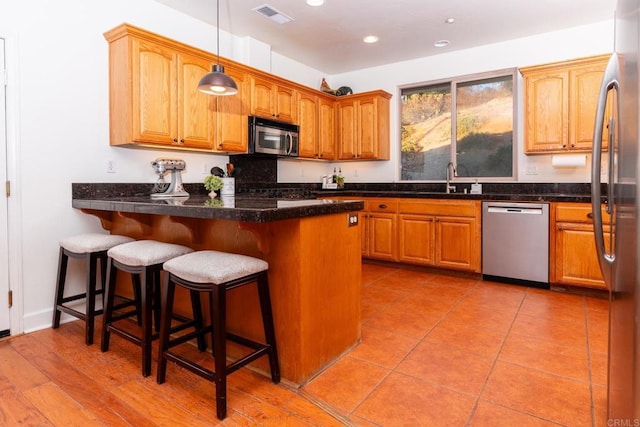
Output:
x=316 y=118
x=573 y=259
x=272 y=100
x=154 y=100
x=440 y=233
x=560 y=104
x=381 y=229
x=363 y=126
x=153 y=95
x=232 y=127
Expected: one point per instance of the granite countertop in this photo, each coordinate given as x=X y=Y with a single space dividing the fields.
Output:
x=508 y=197
x=239 y=208
x=252 y=203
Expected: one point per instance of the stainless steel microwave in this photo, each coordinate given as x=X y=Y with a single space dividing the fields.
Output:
x=272 y=137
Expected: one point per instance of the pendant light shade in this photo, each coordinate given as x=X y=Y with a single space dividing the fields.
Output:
x=217 y=82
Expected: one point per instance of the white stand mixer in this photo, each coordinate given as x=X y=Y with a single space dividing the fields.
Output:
x=175 y=166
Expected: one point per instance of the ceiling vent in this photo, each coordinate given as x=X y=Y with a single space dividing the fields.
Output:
x=273 y=14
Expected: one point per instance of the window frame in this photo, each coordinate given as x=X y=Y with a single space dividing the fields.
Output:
x=453 y=84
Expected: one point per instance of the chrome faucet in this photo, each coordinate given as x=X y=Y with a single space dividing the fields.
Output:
x=451 y=168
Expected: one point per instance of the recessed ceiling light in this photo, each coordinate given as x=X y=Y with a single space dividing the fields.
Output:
x=450 y=20
x=315 y=2
x=441 y=43
x=370 y=39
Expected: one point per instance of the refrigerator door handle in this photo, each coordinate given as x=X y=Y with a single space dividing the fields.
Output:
x=610 y=81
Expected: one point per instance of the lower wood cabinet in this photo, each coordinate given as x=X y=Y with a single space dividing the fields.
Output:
x=573 y=255
x=440 y=233
x=434 y=232
x=381 y=230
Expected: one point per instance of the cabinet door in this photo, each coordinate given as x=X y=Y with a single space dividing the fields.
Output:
x=197 y=112
x=368 y=129
x=416 y=238
x=347 y=130
x=154 y=97
x=231 y=119
x=455 y=243
x=261 y=97
x=583 y=96
x=285 y=104
x=327 y=131
x=308 y=121
x=382 y=236
x=576 y=258
x=546 y=118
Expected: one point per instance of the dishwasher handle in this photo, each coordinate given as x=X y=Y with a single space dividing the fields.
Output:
x=515 y=210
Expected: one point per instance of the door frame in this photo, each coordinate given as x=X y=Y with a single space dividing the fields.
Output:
x=14 y=229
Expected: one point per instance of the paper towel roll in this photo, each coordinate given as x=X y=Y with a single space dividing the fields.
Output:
x=569 y=160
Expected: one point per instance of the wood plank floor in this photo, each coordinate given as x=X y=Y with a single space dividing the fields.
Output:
x=436 y=351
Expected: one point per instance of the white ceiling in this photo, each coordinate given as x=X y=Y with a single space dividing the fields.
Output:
x=329 y=38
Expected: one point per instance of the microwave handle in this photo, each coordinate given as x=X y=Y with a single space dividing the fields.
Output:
x=290 y=148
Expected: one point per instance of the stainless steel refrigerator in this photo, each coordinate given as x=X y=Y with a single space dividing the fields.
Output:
x=617 y=239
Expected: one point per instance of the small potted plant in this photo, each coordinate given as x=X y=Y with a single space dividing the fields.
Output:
x=213 y=184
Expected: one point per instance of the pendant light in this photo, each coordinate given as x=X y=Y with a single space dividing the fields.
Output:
x=217 y=82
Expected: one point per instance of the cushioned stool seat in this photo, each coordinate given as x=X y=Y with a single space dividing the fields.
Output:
x=216 y=273
x=143 y=259
x=91 y=247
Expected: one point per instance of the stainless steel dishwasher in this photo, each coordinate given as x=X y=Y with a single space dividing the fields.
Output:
x=515 y=243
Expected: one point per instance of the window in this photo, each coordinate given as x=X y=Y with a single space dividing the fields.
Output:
x=468 y=121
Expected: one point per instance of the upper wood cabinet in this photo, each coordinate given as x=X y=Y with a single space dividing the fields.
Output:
x=232 y=127
x=272 y=100
x=154 y=100
x=316 y=118
x=154 y=97
x=363 y=126
x=560 y=105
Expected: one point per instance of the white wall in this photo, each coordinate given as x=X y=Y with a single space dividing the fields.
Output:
x=549 y=47
x=58 y=116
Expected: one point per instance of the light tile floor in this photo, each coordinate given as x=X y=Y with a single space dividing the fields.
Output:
x=440 y=350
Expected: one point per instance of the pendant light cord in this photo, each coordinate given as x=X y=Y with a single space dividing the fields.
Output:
x=218 y=28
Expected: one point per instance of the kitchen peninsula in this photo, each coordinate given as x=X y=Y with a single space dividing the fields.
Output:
x=312 y=248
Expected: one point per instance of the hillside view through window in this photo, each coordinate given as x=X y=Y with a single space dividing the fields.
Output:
x=479 y=112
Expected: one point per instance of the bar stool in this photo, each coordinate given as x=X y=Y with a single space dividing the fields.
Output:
x=143 y=259
x=216 y=273
x=90 y=247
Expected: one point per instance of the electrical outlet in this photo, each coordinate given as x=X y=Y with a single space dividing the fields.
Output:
x=532 y=170
x=352 y=219
x=111 y=166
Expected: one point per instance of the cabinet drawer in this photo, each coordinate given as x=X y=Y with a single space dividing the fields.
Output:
x=577 y=212
x=438 y=207
x=382 y=205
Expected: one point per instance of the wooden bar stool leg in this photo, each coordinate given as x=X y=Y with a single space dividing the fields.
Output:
x=168 y=292
x=90 y=300
x=110 y=292
x=196 y=309
x=267 y=322
x=147 y=305
x=62 y=275
x=137 y=296
x=218 y=318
